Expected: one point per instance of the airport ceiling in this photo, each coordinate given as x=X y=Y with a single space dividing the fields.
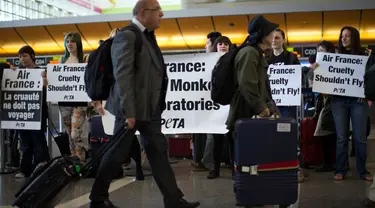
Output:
x=184 y=33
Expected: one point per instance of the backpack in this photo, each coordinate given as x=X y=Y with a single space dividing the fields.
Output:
x=369 y=82
x=223 y=84
x=99 y=69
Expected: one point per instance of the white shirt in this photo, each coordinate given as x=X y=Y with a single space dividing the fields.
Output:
x=140 y=26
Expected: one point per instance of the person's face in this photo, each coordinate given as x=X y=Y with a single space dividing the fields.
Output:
x=321 y=49
x=71 y=45
x=345 y=38
x=223 y=47
x=278 y=40
x=26 y=60
x=267 y=41
x=209 y=46
x=152 y=15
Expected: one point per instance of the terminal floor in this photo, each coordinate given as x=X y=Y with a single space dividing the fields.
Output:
x=319 y=190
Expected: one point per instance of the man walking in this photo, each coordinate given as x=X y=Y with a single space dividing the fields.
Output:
x=138 y=99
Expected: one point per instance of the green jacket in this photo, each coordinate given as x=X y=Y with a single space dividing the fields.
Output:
x=253 y=93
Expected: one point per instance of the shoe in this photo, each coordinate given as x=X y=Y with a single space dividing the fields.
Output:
x=105 y=204
x=368 y=203
x=184 y=204
x=213 y=174
x=198 y=166
x=20 y=175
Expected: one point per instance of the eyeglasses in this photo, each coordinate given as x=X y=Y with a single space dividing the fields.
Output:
x=154 y=10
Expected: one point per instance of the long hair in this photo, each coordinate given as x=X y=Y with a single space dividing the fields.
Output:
x=355 y=43
x=76 y=37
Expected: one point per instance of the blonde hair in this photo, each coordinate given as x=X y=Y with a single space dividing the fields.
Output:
x=113 y=33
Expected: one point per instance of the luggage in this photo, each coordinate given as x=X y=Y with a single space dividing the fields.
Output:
x=98 y=138
x=311 y=148
x=51 y=181
x=179 y=146
x=266 y=162
x=61 y=140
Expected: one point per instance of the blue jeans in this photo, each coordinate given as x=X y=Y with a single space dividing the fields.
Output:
x=343 y=111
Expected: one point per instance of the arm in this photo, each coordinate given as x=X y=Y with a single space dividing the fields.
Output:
x=247 y=76
x=123 y=55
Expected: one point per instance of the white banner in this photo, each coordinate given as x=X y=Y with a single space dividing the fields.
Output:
x=66 y=83
x=285 y=83
x=189 y=105
x=21 y=99
x=340 y=74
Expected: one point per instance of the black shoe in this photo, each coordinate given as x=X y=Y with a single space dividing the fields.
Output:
x=105 y=204
x=368 y=203
x=213 y=174
x=184 y=204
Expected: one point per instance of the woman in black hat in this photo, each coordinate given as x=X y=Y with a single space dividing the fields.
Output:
x=253 y=96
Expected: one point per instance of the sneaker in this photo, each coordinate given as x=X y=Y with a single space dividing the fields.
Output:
x=20 y=175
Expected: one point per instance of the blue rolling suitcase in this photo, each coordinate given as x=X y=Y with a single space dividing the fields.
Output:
x=266 y=162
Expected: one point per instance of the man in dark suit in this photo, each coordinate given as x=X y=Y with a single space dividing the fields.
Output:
x=138 y=99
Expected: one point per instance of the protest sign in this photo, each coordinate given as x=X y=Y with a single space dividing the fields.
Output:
x=66 y=83
x=285 y=83
x=340 y=74
x=21 y=97
x=189 y=105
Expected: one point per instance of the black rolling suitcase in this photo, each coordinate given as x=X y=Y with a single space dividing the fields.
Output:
x=50 y=182
x=98 y=138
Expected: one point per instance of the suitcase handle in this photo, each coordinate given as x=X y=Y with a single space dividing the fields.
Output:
x=272 y=117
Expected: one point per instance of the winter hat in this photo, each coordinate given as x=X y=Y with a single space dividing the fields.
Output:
x=259 y=27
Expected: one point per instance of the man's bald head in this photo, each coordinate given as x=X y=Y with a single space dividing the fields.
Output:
x=149 y=13
x=141 y=4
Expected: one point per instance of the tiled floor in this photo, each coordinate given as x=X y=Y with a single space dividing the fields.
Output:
x=319 y=191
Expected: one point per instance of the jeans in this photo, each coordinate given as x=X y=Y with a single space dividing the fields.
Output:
x=344 y=109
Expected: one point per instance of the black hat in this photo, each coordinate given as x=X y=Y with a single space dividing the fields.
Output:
x=259 y=27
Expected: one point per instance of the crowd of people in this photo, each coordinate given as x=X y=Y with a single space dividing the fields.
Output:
x=338 y=117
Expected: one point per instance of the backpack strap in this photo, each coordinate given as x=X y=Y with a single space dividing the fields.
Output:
x=138 y=36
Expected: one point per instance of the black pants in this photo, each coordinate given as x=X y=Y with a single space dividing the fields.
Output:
x=34 y=150
x=218 y=148
x=328 y=145
x=156 y=147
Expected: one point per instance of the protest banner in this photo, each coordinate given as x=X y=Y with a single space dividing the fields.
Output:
x=66 y=83
x=189 y=105
x=285 y=81
x=21 y=96
x=340 y=74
